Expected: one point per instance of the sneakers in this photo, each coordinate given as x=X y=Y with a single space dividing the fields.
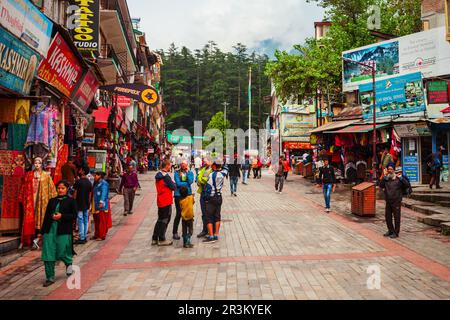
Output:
x=154 y=242
x=202 y=234
x=188 y=246
x=165 y=243
x=388 y=234
x=235 y=194
x=210 y=240
x=80 y=242
x=176 y=236
x=393 y=236
x=125 y=213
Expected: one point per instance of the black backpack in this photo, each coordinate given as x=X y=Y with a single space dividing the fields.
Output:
x=407 y=189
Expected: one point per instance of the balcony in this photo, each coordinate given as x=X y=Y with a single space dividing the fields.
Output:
x=111 y=65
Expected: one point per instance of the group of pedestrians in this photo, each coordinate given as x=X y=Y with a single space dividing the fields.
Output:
x=210 y=181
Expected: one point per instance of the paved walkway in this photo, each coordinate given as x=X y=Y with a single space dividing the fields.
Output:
x=271 y=247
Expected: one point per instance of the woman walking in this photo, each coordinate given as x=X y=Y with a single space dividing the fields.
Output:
x=101 y=207
x=57 y=232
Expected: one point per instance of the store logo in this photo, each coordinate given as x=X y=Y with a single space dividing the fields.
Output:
x=419 y=62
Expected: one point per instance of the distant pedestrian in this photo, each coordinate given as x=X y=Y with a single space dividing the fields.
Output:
x=128 y=187
x=202 y=180
x=213 y=200
x=393 y=185
x=259 y=165
x=197 y=165
x=235 y=174
x=434 y=163
x=184 y=178
x=187 y=214
x=287 y=168
x=165 y=187
x=83 y=195
x=245 y=170
x=328 y=179
x=255 y=168
x=101 y=207
x=57 y=232
x=279 y=177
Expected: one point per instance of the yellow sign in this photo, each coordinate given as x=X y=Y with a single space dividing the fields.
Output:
x=149 y=96
x=447 y=18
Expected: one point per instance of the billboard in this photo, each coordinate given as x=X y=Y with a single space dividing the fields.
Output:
x=400 y=95
x=438 y=92
x=296 y=125
x=18 y=63
x=26 y=22
x=61 y=68
x=426 y=52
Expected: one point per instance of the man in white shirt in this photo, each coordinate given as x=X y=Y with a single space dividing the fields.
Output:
x=197 y=165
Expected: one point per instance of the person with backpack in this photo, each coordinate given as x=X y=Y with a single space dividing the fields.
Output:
x=202 y=180
x=434 y=163
x=394 y=185
x=213 y=200
x=183 y=178
x=246 y=170
x=187 y=214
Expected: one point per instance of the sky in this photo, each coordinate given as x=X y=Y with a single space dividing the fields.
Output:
x=262 y=25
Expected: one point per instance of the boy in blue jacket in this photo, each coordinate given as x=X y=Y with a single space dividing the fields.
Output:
x=183 y=178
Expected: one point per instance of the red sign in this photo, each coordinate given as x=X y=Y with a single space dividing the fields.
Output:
x=297 y=145
x=123 y=102
x=438 y=92
x=86 y=92
x=61 y=68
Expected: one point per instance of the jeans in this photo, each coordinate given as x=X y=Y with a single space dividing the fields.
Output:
x=245 y=177
x=327 y=188
x=233 y=184
x=83 y=223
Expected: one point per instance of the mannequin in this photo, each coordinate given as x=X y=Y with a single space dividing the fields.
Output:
x=37 y=190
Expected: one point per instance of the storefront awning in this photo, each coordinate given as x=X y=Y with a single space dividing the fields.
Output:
x=359 y=128
x=334 y=126
x=101 y=116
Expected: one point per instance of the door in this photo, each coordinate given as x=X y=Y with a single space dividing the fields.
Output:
x=426 y=149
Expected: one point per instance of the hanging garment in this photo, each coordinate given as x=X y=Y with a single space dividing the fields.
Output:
x=10 y=212
x=63 y=157
x=17 y=137
x=38 y=133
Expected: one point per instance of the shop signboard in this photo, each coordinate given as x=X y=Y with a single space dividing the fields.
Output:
x=18 y=63
x=26 y=22
x=61 y=68
x=89 y=138
x=86 y=18
x=412 y=130
x=139 y=92
x=86 y=91
x=438 y=92
x=447 y=18
x=399 y=95
x=296 y=125
x=123 y=102
x=426 y=52
x=411 y=168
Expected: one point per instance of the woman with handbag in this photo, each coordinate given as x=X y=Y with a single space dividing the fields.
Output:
x=57 y=232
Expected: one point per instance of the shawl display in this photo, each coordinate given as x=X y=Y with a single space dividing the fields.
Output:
x=34 y=211
x=63 y=157
x=17 y=136
x=10 y=213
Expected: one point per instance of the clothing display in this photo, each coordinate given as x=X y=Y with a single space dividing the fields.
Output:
x=17 y=136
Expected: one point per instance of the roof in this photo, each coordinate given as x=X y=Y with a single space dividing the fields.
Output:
x=350 y=113
x=359 y=128
x=334 y=125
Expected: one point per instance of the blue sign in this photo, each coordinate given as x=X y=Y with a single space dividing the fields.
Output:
x=399 y=95
x=411 y=168
x=18 y=63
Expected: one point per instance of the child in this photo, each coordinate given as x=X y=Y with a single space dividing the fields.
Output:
x=187 y=214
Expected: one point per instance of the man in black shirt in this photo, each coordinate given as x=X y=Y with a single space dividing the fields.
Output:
x=83 y=190
x=328 y=178
x=234 y=174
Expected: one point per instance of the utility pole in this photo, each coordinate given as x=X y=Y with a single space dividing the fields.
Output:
x=250 y=109
x=225 y=105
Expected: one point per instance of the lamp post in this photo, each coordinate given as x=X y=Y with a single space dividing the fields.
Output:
x=374 y=147
x=225 y=105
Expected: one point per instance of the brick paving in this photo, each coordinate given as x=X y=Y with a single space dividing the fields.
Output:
x=271 y=247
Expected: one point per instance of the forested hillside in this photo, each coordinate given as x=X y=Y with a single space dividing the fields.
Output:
x=196 y=84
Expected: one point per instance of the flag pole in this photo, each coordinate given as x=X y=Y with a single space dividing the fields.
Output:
x=250 y=109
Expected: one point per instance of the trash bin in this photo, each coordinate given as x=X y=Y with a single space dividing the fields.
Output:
x=364 y=199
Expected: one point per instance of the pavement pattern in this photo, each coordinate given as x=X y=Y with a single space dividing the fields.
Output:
x=271 y=246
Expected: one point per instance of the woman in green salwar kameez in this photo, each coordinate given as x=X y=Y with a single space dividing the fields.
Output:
x=57 y=232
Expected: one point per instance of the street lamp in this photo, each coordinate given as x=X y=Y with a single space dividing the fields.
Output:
x=374 y=147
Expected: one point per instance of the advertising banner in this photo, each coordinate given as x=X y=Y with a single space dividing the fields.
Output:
x=412 y=130
x=426 y=52
x=86 y=18
x=437 y=92
x=123 y=102
x=61 y=69
x=400 y=95
x=296 y=125
x=18 y=63
x=86 y=92
x=26 y=22
x=140 y=92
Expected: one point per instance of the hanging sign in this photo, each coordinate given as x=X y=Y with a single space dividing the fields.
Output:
x=437 y=92
x=136 y=91
x=85 y=24
x=61 y=69
x=18 y=63
x=86 y=92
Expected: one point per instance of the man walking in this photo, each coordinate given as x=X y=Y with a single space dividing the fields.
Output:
x=328 y=178
x=128 y=187
x=245 y=170
x=279 y=177
x=213 y=200
x=235 y=174
x=83 y=191
x=393 y=184
x=202 y=180
x=183 y=178
x=434 y=163
x=165 y=188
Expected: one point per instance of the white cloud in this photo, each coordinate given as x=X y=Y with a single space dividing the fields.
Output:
x=194 y=22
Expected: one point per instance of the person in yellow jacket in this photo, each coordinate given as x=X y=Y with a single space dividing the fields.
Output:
x=202 y=180
x=187 y=214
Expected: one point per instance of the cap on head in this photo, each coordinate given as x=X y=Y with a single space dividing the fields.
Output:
x=391 y=165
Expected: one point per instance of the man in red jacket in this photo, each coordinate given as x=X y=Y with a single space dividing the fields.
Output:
x=165 y=187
